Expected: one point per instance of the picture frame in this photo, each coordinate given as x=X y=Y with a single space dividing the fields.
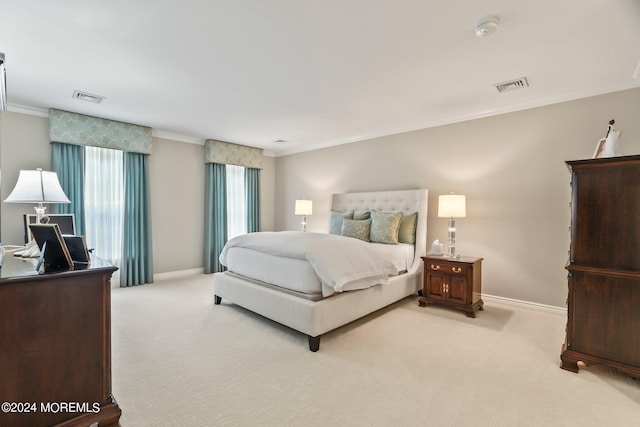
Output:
x=77 y=247
x=54 y=254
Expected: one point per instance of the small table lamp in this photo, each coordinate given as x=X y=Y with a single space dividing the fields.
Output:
x=37 y=186
x=452 y=206
x=304 y=208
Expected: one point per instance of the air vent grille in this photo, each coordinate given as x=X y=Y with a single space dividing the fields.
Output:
x=520 y=83
x=84 y=96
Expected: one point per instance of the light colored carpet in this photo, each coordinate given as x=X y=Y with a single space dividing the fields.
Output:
x=179 y=360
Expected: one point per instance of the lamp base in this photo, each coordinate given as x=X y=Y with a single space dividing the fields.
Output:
x=452 y=239
x=41 y=217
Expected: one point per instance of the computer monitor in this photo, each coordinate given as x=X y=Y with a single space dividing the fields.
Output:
x=66 y=223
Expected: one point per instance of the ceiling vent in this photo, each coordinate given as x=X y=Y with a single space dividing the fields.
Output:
x=84 y=96
x=520 y=83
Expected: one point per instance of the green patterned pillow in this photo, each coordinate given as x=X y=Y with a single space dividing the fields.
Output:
x=407 y=232
x=358 y=229
x=384 y=227
x=335 y=222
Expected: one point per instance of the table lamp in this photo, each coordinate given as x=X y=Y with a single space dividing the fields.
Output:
x=37 y=186
x=304 y=208
x=452 y=206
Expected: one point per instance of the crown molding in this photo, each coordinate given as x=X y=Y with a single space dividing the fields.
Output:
x=543 y=102
x=25 y=109
x=163 y=134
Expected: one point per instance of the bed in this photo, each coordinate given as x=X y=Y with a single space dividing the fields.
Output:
x=300 y=304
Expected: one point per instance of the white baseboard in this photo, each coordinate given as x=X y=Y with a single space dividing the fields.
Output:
x=524 y=304
x=487 y=298
x=178 y=274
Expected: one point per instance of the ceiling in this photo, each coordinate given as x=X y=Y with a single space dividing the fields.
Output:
x=311 y=73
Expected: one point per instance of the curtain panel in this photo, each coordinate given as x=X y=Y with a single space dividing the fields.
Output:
x=252 y=194
x=215 y=223
x=78 y=129
x=68 y=162
x=136 y=266
x=227 y=153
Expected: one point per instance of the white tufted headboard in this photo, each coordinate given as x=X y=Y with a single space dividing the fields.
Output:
x=405 y=201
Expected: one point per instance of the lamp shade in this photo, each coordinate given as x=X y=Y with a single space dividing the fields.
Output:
x=304 y=207
x=452 y=206
x=37 y=186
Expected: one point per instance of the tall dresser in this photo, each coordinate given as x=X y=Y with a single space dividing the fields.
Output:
x=55 y=346
x=603 y=307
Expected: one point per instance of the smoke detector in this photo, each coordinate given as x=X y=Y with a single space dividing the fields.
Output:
x=486 y=26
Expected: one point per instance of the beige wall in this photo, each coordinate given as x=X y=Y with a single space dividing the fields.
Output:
x=177 y=190
x=511 y=168
x=23 y=145
x=177 y=203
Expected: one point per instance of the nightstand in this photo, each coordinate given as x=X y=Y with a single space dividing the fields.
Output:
x=453 y=282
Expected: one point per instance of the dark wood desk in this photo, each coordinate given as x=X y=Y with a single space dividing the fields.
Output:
x=55 y=345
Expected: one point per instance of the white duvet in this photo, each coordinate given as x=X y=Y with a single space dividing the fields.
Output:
x=341 y=263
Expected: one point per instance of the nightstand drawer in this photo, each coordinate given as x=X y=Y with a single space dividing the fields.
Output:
x=445 y=267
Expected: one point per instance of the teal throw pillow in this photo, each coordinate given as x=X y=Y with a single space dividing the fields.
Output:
x=335 y=222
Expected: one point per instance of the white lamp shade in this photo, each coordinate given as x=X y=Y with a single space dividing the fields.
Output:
x=452 y=206
x=304 y=207
x=37 y=186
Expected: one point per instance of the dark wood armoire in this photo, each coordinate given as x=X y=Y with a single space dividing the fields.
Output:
x=603 y=307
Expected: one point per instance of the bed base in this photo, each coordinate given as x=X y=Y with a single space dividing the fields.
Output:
x=314 y=342
x=313 y=318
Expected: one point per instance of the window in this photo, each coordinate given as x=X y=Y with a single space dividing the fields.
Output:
x=236 y=204
x=104 y=202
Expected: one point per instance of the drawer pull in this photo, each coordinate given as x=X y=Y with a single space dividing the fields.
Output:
x=457 y=269
x=435 y=267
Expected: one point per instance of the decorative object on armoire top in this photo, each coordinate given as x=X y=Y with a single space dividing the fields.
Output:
x=609 y=146
x=304 y=208
x=452 y=206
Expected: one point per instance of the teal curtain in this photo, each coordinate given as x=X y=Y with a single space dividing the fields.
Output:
x=215 y=223
x=136 y=267
x=252 y=193
x=67 y=160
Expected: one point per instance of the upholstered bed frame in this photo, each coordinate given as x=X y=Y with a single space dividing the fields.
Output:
x=315 y=318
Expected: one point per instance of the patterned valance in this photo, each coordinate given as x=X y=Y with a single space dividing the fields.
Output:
x=78 y=129
x=227 y=153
